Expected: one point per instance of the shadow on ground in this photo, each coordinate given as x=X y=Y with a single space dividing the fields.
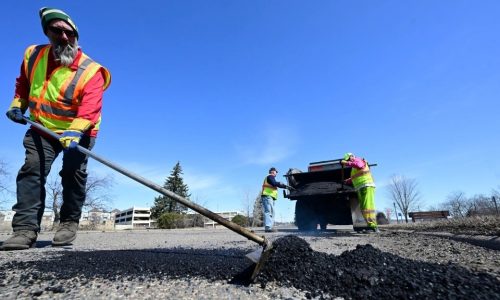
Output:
x=112 y=265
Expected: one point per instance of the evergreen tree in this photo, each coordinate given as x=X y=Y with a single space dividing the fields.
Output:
x=258 y=214
x=174 y=183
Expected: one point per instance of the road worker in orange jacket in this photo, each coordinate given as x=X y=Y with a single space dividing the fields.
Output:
x=362 y=180
x=62 y=88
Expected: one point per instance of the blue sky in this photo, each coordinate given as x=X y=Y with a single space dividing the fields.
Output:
x=230 y=88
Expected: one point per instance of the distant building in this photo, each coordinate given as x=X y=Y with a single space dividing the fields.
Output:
x=6 y=220
x=97 y=219
x=229 y=215
x=93 y=219
x=7 y=215
x=133 y=218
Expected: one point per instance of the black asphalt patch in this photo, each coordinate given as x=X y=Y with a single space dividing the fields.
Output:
x=368 y=273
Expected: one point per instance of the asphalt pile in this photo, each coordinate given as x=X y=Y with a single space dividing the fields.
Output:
x=367 y=272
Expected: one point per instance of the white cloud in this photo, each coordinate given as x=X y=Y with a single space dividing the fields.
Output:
x=274 y=144
x=200 y=181
x=148 y=172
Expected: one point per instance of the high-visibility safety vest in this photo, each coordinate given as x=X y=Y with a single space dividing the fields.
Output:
x=362 y=178
x=269 y=190
x=54 y=101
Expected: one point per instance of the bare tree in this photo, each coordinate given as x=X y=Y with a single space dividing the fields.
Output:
x=258 y=215
x=195 y=219
x=495 y=198
x=97 y=194
x=54 y=191
x=457 y=203
x=4 y=175
x=388 y=213
x=481 y=205
x=247 y=204
x=496 y=192
x=95 y=219
x=403 y=191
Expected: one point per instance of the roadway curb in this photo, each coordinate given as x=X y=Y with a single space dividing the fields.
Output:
x=485 y=241
x=491 y=242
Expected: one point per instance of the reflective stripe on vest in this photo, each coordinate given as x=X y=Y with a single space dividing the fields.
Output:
x=362 y=178
x=54 y=101
x=269 y=190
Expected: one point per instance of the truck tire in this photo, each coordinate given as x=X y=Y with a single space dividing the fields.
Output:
x=323 y=225
x=323 y=212
x=305 y=216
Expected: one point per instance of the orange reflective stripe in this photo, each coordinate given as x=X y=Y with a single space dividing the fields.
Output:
x=83 y=77
x=68 y=91
x=62 y=93
x=57 y=111
x=50 y=115
x=31 y=62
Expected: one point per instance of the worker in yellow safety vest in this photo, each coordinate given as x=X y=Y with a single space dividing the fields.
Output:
x=269 y=194
x=63 y=90
x=362 y=180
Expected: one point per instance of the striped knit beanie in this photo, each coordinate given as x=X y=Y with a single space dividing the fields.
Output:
x=48 y=14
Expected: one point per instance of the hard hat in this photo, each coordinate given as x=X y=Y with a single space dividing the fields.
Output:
x=347 y=155
x=273 y=169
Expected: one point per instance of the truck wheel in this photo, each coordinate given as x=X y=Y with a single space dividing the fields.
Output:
x=305 y=216
x=324 y=209
x=323 y=226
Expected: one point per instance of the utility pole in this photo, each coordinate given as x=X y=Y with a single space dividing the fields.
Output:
x=495 y=201
x=396 y=212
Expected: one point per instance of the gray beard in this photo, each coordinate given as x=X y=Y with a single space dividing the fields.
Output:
x=66 y=53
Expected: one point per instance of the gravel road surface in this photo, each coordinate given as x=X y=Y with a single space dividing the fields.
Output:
x=211 y=264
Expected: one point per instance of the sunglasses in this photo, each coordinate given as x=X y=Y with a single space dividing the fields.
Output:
x=59 y=31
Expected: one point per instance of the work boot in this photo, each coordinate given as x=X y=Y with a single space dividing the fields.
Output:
x=65 y=234
x=20 y=240
x=271 y=230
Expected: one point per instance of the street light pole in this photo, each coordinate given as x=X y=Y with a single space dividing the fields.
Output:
x=396 y=212
x=495 y=201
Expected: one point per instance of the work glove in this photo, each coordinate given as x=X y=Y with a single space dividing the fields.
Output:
x=290 y=188
x=16 y=115
x=71 y=137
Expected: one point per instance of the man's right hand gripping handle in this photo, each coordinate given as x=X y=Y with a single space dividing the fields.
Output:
x=16 y=115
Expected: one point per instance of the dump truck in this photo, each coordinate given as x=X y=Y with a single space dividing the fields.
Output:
x=323 y=198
